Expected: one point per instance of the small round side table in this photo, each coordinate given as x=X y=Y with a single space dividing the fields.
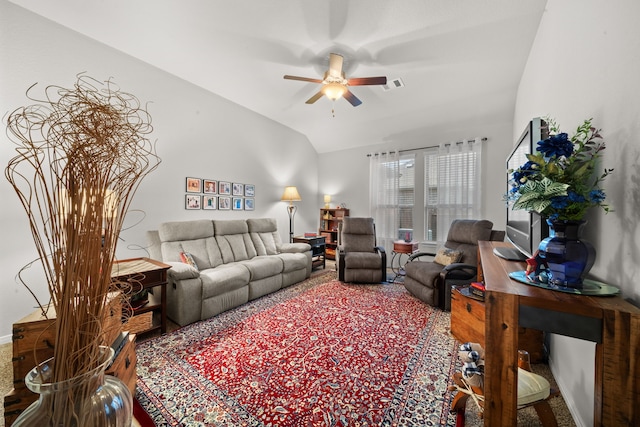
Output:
x=400 y=254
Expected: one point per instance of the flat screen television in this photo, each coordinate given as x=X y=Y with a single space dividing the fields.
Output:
x=525 y=230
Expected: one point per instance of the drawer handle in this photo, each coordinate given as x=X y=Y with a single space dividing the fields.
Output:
x=127 y=362
x=469 y=307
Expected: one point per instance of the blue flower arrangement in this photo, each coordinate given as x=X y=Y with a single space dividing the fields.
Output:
x=558 y=180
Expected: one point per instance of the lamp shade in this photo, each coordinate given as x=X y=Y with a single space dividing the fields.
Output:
x=291 y=195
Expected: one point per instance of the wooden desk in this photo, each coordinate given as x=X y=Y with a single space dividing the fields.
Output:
x=611 y=322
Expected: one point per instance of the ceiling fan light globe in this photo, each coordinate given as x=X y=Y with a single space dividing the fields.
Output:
x=334 y=91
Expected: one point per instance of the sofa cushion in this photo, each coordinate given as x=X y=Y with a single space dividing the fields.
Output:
x=423 y=272
x=185 y=230
x=366 y=260
x=358 y=234
x=223 y=278
x=263 y=266
x=294 y=261
x=265 y=243
x=194 y=237
x=264 y=235
x=232 y=237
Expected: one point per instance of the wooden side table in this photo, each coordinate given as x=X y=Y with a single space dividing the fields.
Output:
x=318 y=246
x=400 y=248
x=145 y=274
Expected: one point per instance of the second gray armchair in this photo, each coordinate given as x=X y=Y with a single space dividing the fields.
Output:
x=456 y=262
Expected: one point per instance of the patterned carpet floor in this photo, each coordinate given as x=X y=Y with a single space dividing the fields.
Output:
x=315 y=354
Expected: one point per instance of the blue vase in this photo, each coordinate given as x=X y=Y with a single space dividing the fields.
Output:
x=568 y=257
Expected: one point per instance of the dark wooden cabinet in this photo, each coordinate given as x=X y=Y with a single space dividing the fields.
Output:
x=318 y=245
x=148 y=276
x=330 y=219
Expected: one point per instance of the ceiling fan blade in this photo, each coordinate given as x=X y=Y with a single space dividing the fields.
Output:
x=335 y=65
x=353 y=100
x=314 y=98
x=362 y=81
x=302 y=79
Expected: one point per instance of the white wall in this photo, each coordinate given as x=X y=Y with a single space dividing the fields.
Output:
x=198 y=134
x=585 y=63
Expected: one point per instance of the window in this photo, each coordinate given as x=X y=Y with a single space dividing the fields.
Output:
x=451 y=187
x=406 y=196
x=416 y=195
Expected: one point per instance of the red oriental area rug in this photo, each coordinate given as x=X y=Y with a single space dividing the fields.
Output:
x=325 y=355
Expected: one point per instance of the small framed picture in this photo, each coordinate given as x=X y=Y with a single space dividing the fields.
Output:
x=237 y=203
x=210 y=187
x=238 y=189
x=224 y=203
x=192 y=202
x=249 y=204
x=209 y=202
x=249 y=190
x=194 y=185
x=224 y=188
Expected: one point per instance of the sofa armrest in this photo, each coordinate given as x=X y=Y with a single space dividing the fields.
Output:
x=180 y=271
x=293 y=248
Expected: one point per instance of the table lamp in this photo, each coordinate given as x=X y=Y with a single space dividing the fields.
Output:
x=327 y=201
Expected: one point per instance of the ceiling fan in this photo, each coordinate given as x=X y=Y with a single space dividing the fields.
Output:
x=334 y=84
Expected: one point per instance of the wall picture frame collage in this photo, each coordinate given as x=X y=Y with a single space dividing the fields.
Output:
x=209 y=194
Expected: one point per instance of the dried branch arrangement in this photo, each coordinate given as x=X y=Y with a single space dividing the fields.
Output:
x=82 y=153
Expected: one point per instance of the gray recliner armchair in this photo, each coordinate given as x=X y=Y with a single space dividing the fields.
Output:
x=431 y=281
x=359 y=258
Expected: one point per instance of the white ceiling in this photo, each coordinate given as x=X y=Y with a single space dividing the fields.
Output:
x=460 y=60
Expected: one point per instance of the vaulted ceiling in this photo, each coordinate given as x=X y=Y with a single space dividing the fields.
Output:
x=459 y=60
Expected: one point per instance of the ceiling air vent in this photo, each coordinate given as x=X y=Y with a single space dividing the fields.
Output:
x=393 y=84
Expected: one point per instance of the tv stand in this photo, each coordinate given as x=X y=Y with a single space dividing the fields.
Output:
x=510 y=254
x=611 y=322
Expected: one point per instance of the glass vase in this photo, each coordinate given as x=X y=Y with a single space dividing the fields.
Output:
x=92 y=399
x=569 y=258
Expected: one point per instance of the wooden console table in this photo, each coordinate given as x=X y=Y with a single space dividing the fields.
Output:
x=611 y=322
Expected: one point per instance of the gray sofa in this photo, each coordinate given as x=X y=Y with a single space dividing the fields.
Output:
x=235 y=261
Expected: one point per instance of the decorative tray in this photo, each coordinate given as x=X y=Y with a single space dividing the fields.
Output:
x=589 y=287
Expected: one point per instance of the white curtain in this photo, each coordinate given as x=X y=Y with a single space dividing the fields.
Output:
x=383 y=196
x=458 y=183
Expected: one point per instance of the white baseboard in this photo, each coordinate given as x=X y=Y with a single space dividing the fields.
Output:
x=567 y=397
x=5 y=339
